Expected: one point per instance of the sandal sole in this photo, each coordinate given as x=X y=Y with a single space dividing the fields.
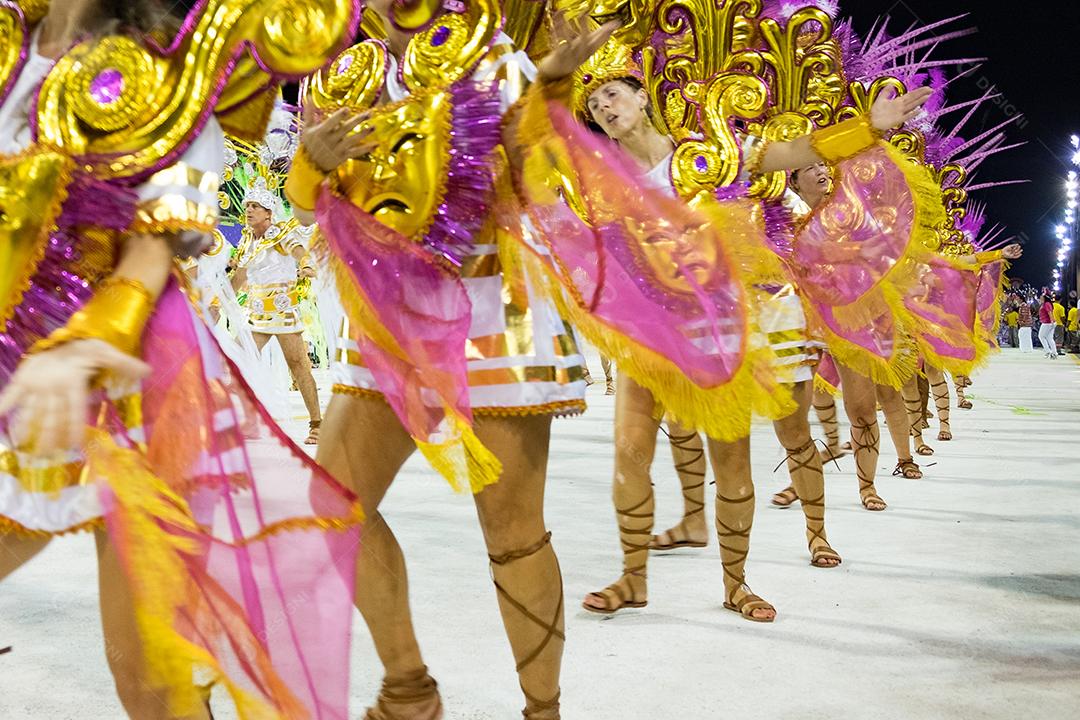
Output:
x=677 y=546
x=751 y=618
x=624 y=606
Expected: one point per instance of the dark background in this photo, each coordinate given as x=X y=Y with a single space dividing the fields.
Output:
x=1032 y=52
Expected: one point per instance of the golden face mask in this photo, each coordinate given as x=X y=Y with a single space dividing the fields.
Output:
x=401 y=181
x=671 y=253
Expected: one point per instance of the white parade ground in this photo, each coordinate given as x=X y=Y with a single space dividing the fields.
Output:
x=961 y=601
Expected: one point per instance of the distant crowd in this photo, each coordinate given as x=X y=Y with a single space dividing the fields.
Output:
x=1038 y=318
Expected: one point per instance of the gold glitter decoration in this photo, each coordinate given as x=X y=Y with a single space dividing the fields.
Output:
x=354 y=79
x=12 y=38
x=442 y=54
x=31 y=193
x=33 y=10
x=165 y=97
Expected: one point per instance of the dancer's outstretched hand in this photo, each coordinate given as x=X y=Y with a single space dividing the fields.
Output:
x=49 y=393
x=335 y=140
x=890 y=111
x=1012 y=252
x=572 y=44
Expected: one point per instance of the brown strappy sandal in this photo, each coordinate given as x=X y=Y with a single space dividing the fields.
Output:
x=313 y=432
x=630 y=544
x=536 y=708
x=908 y=469
x=786 y=497
x=724 y=532
x=820 y=549
x=747 y=604
x=417 y=690
x=677 y=537
x=867 y=492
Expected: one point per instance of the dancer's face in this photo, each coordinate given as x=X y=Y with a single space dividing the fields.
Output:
x=813 y=183
x=256 y=216
x=618 y=108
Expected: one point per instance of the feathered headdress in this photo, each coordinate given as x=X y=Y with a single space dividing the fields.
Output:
x=257 y=172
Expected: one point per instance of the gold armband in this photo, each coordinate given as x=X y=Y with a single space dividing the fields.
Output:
x=755 y=157
x=984 y=258
x=305 y=179
x=844 y=140
x=117 y=314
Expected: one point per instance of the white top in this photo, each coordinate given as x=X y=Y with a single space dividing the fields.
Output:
x=269 y=260
x=205 y=155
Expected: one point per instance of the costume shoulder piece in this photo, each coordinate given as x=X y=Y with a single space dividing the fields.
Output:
x=446 y=51
x=16 y=19
x=131 y=109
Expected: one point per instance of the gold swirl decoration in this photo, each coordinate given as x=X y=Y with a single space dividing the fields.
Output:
x=446 y=51
x=12 y=38
x=33 y=10
x=416 y=14
x=113 y=98
x=354 y=79
x=714 y=162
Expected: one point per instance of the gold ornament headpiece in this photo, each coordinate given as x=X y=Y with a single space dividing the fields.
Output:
x=613 y=61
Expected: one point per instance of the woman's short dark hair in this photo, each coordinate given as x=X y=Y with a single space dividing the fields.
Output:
x=634 y=84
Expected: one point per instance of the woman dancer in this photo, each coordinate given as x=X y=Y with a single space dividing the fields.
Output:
x=117 y=410
x=613 y=96
x=463 y=328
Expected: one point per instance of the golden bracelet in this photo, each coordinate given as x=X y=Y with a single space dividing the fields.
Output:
x=844 y=140
x=117 y=314
x=984 y=258
x=305 y=179
x=754 y=158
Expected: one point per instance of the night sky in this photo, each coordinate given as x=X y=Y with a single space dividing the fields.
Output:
x=1032 y=53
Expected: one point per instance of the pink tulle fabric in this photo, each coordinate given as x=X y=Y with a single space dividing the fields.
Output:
x=853 y=261
x=646 y=266
x=422 y=306
x=943 y=305
x=988 y=301
x=270 y=570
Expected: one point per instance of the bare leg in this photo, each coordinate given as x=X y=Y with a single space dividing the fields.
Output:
x=364 y=447
x=123 y=648
x=688 y=453
x=961 y=382
x=914 y=407
x=942 y=401
x=292 y=346
x=734 y=519
x=825 y=409
x=807 y=475
x=260 y=340
x=892 y=404
x=860 y=404
x=635 y=446
x=16 y=551
x=523 y=563
x=605 y=362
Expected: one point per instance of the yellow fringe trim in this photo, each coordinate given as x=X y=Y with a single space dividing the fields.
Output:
x=462 y=456
x=823 y=385
x=159 y=582
x=720 y=412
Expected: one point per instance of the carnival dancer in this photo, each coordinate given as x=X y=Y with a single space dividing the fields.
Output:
x=611 y=93
x=271 y=260
x=399 y=164
x=119 y=415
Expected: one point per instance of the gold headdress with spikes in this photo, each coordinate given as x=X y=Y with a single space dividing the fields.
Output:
x=613 y=61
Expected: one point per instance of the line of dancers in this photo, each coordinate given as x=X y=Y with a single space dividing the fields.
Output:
x=488 y=181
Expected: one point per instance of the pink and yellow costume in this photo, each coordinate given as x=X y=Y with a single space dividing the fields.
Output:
x=218 y=536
